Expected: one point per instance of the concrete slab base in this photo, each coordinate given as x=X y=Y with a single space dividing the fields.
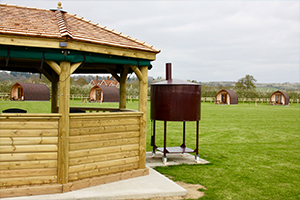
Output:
x=144 y=187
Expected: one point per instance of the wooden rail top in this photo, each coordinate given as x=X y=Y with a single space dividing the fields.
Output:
x=99 y=111
x=30 y=115
x=105 y=112
x=91 y=109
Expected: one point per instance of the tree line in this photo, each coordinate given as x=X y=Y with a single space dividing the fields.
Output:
x=244 y=87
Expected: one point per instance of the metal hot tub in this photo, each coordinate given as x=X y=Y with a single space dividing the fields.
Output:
x=175 y=100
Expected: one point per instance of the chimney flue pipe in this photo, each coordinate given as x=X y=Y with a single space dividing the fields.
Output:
x=168 y=71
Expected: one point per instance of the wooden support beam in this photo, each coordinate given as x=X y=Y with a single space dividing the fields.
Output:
x=74 y=66
x=143 y=108
x=64 y=124
x=123 y=81
x=54 y=96
x=114 y=74
x=138 y=73
x=54 y=66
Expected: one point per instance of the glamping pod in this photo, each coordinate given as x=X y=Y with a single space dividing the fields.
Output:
x=226 y=97
x=30 y=92
x=279 y=98
x=175 y=100
x=104 y=94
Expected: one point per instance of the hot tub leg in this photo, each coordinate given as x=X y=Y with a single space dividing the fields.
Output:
x=197 y=158
x=164 y=160
x=153 y=154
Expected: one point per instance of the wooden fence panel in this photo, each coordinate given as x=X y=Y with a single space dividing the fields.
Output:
x=28 y=151
x=103 y=144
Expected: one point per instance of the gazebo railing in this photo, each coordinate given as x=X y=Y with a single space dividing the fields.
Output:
x=102 y=147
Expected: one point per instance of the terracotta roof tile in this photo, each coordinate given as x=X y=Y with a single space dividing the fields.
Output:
x=21 y=20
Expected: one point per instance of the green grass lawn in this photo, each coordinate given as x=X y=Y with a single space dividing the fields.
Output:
x=254 y=150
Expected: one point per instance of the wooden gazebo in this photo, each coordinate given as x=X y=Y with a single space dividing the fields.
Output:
x=29 y=92
x=62 y=151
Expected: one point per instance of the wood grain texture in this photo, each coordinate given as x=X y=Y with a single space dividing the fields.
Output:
x=28 y=156
x=100 y=151
x=36 y=164
x=103 y=157
x=28 y=132
x=26 y=140
x=27 y=172
x=31 y=190
x=27 y=148
x=143 y=121
x=98 y=165
x=28 y=180
x=89 y=182
x=106 y=143
x=64 y=122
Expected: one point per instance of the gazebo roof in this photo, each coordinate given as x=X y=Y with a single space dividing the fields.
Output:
x=59 y=24
x=30 y=36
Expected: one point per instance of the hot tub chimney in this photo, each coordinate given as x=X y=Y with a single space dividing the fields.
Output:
x=168 y=71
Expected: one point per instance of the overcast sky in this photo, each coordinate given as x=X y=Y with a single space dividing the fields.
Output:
x=204 y=40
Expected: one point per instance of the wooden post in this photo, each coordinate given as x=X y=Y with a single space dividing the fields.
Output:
x=64 y=125
x=123 y=81
x=143 y=86
x=54 y=100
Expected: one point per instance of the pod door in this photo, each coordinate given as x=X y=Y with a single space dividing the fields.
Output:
x=278 y=98
x=224 y=97
x=98 y=95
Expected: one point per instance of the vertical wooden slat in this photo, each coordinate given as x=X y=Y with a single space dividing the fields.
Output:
x=54 y=99
x=64 y=125
x=143 y=108
x=123 y=80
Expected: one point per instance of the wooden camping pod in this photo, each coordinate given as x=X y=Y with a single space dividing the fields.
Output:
x=226 y=97
x=104 y=94
x=279 y=98
x=30 y=92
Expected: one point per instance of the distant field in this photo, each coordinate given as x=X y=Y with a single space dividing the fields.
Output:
x=254 y=150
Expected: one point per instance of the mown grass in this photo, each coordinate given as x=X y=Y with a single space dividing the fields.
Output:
x=254 y=151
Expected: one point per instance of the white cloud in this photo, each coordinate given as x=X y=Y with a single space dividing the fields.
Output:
x=205 y=40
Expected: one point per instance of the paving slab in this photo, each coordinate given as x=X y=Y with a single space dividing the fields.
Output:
x=172 y=159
